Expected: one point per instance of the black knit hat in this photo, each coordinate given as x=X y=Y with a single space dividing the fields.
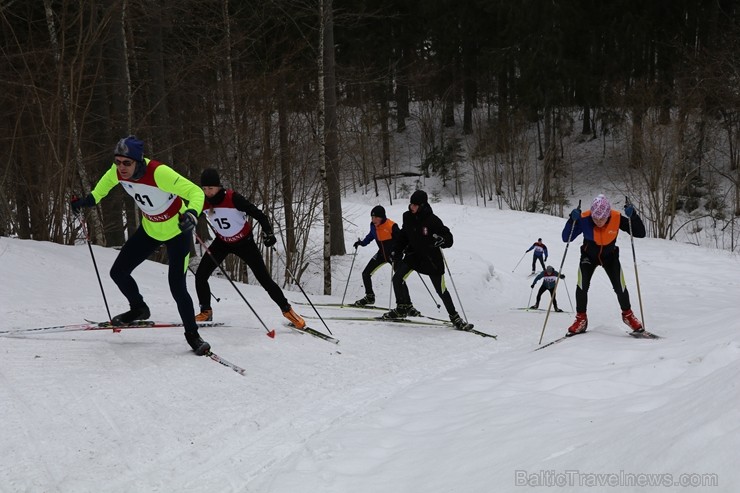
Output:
x=419 y=197
x=378 y=211
x=209 y=178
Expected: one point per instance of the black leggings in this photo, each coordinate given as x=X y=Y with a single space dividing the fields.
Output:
x=402 y=271
x=535 y=258
x=246 y=250
x=613 y=269
x=375 y=263
x=137 y=249
x=542 y=290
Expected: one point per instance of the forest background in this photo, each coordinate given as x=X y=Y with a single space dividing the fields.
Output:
x=299 y=103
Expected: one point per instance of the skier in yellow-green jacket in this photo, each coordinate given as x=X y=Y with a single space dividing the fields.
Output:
x=170 y=205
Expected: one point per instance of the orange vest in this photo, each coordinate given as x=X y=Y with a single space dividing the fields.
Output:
x=608 y=232
x=385 y=230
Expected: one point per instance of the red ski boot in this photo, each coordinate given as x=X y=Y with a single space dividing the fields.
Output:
x=580 y=324
x=634 y=323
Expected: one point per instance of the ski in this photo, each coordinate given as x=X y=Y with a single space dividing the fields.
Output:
x=644 y=335
x=478 y=332
x=637 y=335
x=147 y=324
x=143 y=324
x=91 y=325
x=540 y=310
x=54 y=328
x=396 y=320
x=218 y=359
x=315 y=333
x=339 y=305
x=559 y=339
x=433 y=322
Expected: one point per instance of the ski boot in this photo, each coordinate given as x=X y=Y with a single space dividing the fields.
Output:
x=402 y=310
x=199 y=346
x=293 y=317
x=139 y=312
x=369 y=299
x=580 y=324
x=534 y=307
x=629 y=318
x=205 y=315
x=459 y=323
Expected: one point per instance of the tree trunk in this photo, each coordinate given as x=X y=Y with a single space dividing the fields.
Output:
x=118 y=82
x=550 y=155
x=332 y=140
x=586 y=129
x=402 y=91
x=322 y=152
x=160 y=141
x=286 y=179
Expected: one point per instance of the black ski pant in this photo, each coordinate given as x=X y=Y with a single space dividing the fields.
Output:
x=402 y=271
x=246 y=250
x=535 y=258
x=375 y=263
x=542 y=290
x=613 y=269
x=137 y=249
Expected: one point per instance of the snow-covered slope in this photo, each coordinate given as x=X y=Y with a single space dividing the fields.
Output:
x=392 y=408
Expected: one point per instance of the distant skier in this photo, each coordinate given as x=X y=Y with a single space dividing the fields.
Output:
x=600 y=227
x=227 y=212
x=383 y=231
x=170 y=205
x=549 y=277
x=540 y=252
x=418 y=248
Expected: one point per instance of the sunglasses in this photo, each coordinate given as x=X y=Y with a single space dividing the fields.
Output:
x=124 y=162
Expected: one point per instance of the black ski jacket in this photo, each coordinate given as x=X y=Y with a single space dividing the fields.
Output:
x=416 y=239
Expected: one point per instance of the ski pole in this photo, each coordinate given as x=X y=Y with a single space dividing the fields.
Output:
x=530 y=296
x=452 y=280
x=429 y=291
x=302 y=291
x=568 y=293
x=212 y=295
x=520 y=261
x=634 y=261
x=83 y=223
x=557 y=280
x=390 y=291
x=350 y=273
x=270 y=333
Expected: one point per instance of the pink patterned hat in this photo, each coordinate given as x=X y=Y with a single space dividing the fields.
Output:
x=600 y=207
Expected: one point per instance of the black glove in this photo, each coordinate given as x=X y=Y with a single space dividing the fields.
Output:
x=575 y=214
x=77 y=203
x=532 y=286
x=268 y=239
x=188 y=220
x=356 y=244
x=438 y=241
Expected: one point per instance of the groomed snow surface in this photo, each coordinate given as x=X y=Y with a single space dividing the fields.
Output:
x=393 y=408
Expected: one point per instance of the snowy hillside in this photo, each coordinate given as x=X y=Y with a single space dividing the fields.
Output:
x=392 y=408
